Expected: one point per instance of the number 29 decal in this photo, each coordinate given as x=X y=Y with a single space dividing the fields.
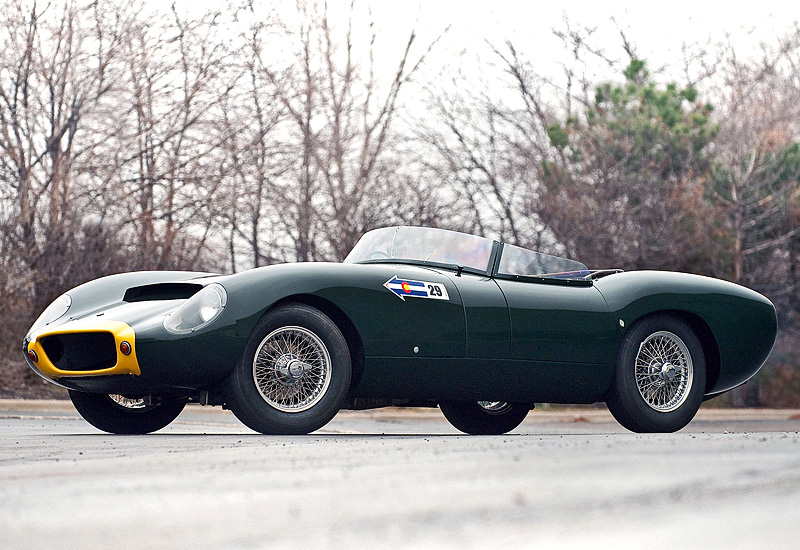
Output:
x=406 y=288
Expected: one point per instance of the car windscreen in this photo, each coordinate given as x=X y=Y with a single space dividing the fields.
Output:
x=519 y=261
x=423 y=244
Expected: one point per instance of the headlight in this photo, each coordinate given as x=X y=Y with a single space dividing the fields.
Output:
x=198 y=311
x=54 y=311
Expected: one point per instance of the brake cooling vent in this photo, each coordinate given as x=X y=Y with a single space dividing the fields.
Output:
x=83 y=351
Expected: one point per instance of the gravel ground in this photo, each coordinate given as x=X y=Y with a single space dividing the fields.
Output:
x=566 y=479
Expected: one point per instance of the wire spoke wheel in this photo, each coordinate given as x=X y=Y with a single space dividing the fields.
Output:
x=664 y=371
x=129 y=403
x=119 y=414
x=292 y=369
x=294 y=373
x=660 y=375
x=484 y=417
x=494 y=407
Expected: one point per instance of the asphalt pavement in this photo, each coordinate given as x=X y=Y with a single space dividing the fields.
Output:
x=399 y=478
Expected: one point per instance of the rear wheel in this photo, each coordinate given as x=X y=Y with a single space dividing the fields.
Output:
x=293 y=375
x=484 y=417
x=660 y=377
x=119 y=414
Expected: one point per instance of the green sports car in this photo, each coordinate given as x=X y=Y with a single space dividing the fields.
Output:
x=413 y=317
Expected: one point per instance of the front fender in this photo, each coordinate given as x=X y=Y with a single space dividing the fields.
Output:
x=387 y=325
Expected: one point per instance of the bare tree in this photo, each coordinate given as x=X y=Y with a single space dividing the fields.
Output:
x=756 y=183
x=342 y=120
x=256 y=151
x=53 y=75
x=491 y=147
x=168 y=146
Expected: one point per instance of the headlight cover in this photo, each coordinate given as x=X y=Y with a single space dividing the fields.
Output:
x=54 y=311
x=199 y=311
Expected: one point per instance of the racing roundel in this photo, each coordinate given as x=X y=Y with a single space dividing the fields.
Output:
x=406 y=288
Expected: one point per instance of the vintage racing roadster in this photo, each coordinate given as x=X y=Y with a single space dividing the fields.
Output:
x=414 y=316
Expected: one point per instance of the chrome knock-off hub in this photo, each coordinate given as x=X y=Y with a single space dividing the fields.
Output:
x=290 y=369
x=664 y=371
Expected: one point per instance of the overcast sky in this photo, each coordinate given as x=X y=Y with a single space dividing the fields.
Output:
x=660 y=31
x=658 y=28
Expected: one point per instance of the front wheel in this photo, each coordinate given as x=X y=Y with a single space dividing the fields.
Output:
x=484 y=417
x=293 y=375
x=118 y=414
x=660 y=377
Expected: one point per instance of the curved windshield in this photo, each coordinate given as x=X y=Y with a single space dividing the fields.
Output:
x=423 y=244
x=518 y=261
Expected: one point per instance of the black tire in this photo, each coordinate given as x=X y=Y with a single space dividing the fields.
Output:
x=117 y=414
x=660 y=376
x=294 y=373
x=484 y=418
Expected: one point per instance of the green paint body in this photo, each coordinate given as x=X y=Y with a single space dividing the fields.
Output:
x=495 y=338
